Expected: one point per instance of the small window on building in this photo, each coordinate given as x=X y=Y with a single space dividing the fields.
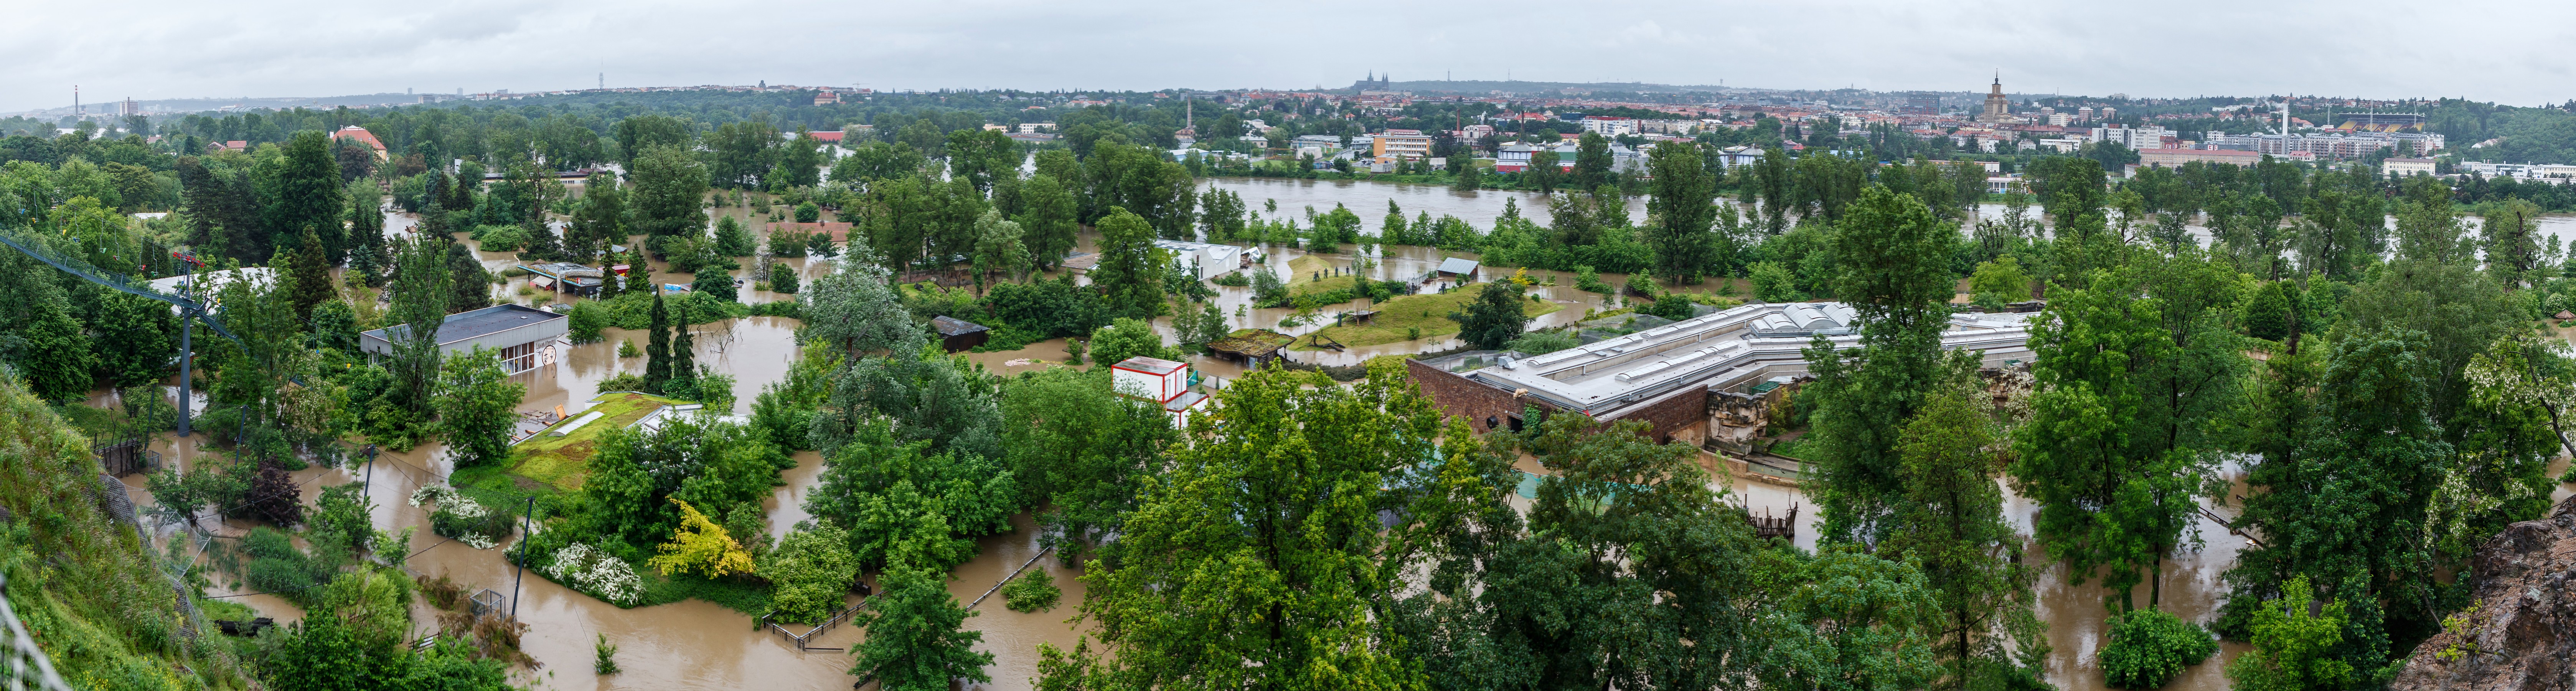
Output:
x=1516 y=423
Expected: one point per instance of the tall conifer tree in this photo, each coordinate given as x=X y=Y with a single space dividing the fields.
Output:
x=657 y=351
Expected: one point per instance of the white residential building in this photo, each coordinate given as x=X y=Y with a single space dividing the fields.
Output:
x=1208 y=259
x=1404 y=143
x=1319 y=141
x=1739 y=155
x=1609 y=126
x=2402 y=167
x=2133 y=137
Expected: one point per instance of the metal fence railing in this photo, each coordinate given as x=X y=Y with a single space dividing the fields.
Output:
x=28 y=668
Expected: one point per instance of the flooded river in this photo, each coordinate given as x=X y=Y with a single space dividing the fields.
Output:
x=1368 y=199
x=1481 y=207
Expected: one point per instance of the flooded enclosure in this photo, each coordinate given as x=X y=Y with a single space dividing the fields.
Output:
x=696 y=644
x=1013 y=637
x=689 y=644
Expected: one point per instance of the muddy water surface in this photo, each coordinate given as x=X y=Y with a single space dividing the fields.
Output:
x=699 y=645
x=1013 y=637
x=690 y=644
x=1369 y=198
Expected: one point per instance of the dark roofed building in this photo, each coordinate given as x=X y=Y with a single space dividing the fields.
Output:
x=958 y=335
x=523 y=336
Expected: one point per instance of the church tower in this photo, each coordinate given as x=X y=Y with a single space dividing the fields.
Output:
x=1998 y=108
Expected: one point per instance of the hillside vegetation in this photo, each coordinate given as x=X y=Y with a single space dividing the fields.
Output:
x=82 y=581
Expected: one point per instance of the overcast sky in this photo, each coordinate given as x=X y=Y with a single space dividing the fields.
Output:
x=151 y=49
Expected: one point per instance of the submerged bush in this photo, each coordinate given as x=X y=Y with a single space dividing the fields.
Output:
x=2148 y=648
x=1033 y=591
x=812 y=568
x=596 y=572
x=461 y=518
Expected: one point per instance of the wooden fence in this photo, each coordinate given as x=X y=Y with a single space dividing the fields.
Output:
x=125 y=456
x=1767 y=526
x=800 y=639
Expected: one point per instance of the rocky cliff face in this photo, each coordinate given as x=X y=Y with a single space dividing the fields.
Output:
x=2522 y=635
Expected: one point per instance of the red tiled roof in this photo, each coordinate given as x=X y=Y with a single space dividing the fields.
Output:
x=361 y=134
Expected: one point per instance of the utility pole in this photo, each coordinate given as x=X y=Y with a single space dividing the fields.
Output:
x=187 y=325
x=523 y=557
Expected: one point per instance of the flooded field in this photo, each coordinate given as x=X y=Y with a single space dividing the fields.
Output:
x=695 y=644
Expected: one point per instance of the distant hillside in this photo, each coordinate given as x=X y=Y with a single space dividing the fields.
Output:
x=191 y=105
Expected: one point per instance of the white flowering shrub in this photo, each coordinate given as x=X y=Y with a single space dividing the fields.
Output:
x=461 y=518
x=593 y=571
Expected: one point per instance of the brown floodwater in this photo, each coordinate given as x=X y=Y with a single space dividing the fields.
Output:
x=690 y=644
x=1013 y=637
x=2078 y=617
x=695 y=644
x=1368 y=199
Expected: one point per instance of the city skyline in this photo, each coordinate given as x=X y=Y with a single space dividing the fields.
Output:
x=2190 y=49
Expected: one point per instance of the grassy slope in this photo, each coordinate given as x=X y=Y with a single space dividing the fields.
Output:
x=82 y=582
x=563 y=462
x=1428 y=312
x=1302 y=281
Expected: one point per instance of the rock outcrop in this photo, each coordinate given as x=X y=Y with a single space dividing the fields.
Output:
x=2522 y=635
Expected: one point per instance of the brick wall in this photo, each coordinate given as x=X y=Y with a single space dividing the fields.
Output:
x=1682 y=412
x=1458 y=395
x=1677 y=411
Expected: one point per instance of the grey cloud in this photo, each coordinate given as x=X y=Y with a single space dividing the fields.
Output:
x=165 y=49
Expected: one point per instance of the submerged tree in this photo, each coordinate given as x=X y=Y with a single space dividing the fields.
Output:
x=914 y=641
x=477 y=407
